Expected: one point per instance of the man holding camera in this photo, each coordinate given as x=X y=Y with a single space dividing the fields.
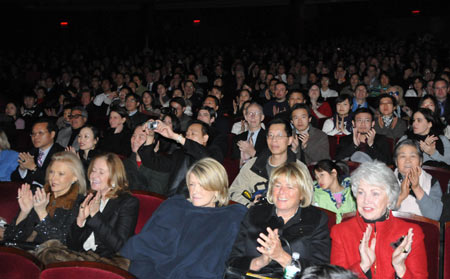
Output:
x=193 y=149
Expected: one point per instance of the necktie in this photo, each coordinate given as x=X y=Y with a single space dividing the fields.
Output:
x=250 y=138
x=40 y=159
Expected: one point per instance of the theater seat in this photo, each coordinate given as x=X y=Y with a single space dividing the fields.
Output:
x=148 y=203
x=85 y=270
x=232 y=168
x=9 y=207
x=440 y=174
x=331 y=217
x=431 y=230
x=18 y=264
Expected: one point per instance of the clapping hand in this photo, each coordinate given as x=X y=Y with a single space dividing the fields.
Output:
x=356 y=137
x=26 y=161
x=304 y=139
x=25 y=198
x=429 y=145
x=371 y=136
x=401 y=253
x=366 y=250
x=40 y=202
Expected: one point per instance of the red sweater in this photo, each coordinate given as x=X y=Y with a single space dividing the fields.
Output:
x=346 y=237
x=324 y=109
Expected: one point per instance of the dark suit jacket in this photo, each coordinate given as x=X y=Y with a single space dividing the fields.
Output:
x=380 y=149
x=260 y=144
x=111 y=228
x=39 y=174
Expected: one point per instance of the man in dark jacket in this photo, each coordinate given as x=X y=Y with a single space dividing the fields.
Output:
x=193 y=149
x=251 y=143
x=364 y=144
x=33 y=164
x=309 y=144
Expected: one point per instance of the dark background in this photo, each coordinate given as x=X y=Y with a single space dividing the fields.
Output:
x=135 y=23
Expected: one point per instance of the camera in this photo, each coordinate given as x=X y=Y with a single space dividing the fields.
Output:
x=152 y=125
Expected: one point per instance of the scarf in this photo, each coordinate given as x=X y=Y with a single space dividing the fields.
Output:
x=66 y=201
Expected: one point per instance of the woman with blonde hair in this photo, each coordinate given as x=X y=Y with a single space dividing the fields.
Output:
x=49 y=212
x=108 y=216
x=271 y=231
x=189 y=238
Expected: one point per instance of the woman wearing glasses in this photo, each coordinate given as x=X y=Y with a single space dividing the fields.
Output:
x=402 y=110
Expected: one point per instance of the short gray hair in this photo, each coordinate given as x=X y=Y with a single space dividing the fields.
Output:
x=409 y=142
x=378 y=174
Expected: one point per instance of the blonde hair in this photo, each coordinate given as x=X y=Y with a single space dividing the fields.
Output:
x=74 y=164
x=296 y=176
x=4 y=143
x=117 y=175
x=212 y=177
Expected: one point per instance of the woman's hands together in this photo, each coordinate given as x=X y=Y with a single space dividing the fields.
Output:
x=270 y=249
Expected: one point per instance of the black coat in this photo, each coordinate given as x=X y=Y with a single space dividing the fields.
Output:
x=111 y=228
x=177 y=163
x=307 y=233
x=117 y=143
x=39 y=174
x=380 y=149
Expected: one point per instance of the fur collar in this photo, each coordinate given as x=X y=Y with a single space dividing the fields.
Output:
x=65 y=201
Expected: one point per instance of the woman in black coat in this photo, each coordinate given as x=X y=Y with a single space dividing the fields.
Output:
x=107 y=219
x=272 y=231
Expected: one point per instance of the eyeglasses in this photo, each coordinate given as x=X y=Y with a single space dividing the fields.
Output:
x=40 y=133
x=275 y=137
x=75 y=115
x=253 y=113
x=392 y=93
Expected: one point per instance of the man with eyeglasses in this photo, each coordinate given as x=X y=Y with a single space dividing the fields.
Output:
x=251 y=184
x=441 y=93
x=69 y=136
x=252 y=142
x=33 y=164
x=364 y=144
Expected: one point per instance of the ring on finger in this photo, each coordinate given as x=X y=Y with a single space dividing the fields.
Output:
x=405 y=251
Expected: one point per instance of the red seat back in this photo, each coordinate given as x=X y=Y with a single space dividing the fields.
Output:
x=148 y=203
x=431 y=230
x=9 y=207
x=331 y=217
x=18 y=264
x=82 y=269
x=232 y=168
x=440 y=174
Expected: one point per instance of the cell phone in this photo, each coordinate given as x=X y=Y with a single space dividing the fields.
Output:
x=152 y=125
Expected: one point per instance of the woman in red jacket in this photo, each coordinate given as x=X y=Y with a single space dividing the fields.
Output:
x=375 y=244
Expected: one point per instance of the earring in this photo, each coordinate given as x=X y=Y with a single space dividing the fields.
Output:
x=113 y=185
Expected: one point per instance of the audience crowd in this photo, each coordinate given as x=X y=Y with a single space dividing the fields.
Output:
x=81 y=130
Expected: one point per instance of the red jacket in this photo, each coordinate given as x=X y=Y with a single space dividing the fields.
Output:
x=346 y=237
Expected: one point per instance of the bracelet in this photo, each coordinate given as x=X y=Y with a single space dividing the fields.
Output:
x=179 y=138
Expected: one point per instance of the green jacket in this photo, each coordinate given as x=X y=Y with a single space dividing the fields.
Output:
x=324 y=199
